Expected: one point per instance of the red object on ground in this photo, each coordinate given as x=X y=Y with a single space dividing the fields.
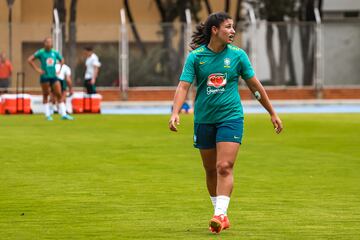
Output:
x=1 y=108
x=14 y=104
x=86 y=103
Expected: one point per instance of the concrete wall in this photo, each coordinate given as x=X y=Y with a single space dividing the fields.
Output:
x=343 y=5
x=341 y=53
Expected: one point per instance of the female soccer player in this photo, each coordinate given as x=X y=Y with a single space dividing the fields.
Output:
x=48 y=79
x=218 y=121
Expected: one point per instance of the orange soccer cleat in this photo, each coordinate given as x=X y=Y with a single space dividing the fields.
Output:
x=218 y=223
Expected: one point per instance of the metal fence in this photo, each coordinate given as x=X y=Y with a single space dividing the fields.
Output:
x=304 y=54
x=283 y=54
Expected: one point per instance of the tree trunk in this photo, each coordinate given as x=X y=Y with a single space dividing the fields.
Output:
x=194 y=9
x=71 y=60
x=283 y=43
x=308 y=40
x=271 y=54
x=208 y=7
x=167 y=18
x=310 y=74
x=138 y=40
x=227 y=6
x=60 y=6
x=307 y=47
x=292 y=73
x=238 y=13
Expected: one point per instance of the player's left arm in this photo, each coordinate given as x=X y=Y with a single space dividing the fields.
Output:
x=10 y=68
x=69 y=83
x=259 y=92
x=61 y=62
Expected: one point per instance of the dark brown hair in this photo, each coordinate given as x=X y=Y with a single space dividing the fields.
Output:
x=202 y=34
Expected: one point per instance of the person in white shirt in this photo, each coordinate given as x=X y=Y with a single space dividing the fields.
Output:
x=64 y=75
x=92 y=64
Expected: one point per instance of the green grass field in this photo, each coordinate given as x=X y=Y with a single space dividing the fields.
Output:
x=128 y=177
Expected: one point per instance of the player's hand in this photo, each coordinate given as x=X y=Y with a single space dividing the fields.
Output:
x=92 y=81
x=278 y=126
x=40 y=71
x=173 y=122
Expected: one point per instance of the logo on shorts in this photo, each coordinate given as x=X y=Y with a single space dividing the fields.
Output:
x=50 y=62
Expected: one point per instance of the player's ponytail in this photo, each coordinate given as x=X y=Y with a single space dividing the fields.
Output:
x=199 y=37
x=202 y=34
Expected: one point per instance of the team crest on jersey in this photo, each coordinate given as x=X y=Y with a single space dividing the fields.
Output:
x=227 y=63
x=50 y=62
x=217 y=80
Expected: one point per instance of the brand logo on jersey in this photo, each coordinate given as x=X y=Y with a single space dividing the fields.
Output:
x=201 y=63
x=217 y=80
x=227 y=63
x=216 y=83
x=50 y=62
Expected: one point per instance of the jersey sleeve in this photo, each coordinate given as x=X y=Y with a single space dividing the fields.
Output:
x=246 y=70
x=188 y=72
x=58 y=56
x=96 y=61
x=37 y=54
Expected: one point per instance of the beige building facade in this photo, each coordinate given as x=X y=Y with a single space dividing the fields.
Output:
x=97 y=21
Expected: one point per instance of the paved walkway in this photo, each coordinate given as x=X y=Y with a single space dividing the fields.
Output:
x=252 y=106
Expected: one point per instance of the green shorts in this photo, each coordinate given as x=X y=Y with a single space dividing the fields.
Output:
x=207 y=135
x=63 y=84
x=90 y=88
x=49 y=80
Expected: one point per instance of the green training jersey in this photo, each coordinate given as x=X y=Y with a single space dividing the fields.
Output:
x=217 y=75
x=48 y=60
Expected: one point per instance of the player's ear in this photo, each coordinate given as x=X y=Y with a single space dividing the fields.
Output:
x=214 y=30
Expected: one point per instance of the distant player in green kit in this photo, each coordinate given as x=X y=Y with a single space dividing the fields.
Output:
x=218 y=122
x=48 y=79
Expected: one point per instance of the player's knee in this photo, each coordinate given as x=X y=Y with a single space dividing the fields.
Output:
x=224 y=168
x=58 y=96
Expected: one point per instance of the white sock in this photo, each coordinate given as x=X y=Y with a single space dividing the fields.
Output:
x=62 y=109
x=222 y=203
x=47 y=109
x=52 y=110
x=213 y=201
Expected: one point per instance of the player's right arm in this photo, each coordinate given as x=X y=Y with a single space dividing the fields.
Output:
x=186 y=79
x=179 y=99
x=33 y=64
x=96 y=64
x=96 y=72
